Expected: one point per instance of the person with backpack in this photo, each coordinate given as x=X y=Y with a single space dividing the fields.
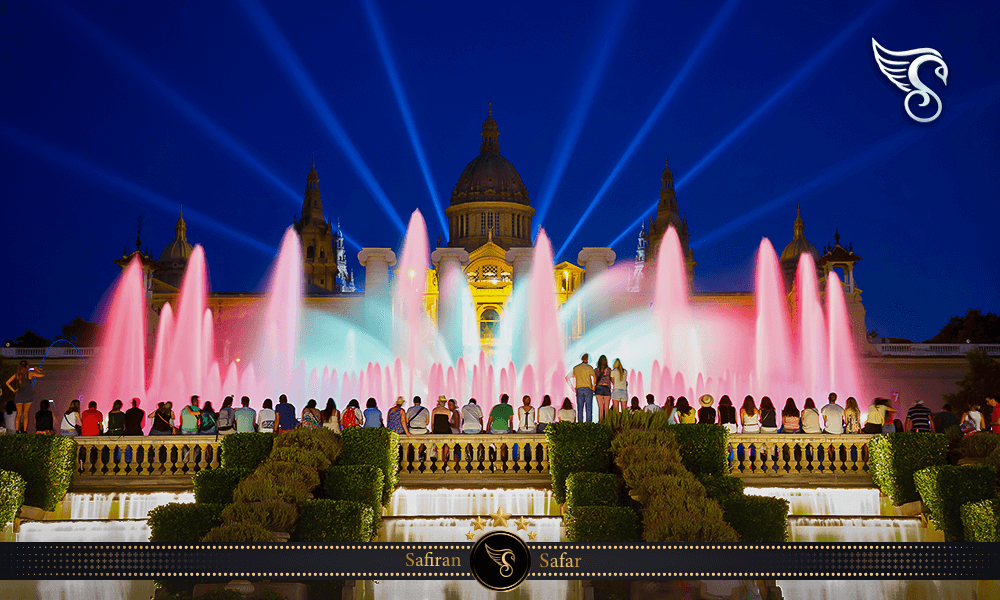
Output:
x=352 y=416
x=207 y=425
x=225 y=421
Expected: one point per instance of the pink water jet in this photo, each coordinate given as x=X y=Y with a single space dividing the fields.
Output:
x=843 y=357
x=772 y=342
x=121 y=368
x=813 y=344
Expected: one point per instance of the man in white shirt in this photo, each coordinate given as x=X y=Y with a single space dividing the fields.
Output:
x=472 y=417
x=833 y=416
x=651 y=404
x=417 y=417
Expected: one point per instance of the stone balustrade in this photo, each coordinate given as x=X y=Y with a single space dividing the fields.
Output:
x=817 y=459
x=159 y=462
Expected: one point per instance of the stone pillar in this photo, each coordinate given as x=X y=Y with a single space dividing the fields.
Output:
x=521 y=259
x=378 y=300
x=596 y=261
x=448 y=262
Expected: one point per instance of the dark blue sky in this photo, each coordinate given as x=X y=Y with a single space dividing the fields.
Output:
x=117 y=110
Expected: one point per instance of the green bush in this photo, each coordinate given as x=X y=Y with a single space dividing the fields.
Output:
x=45 y=462
x=307 y=477
x=215 y=486
x=321 y=440
x=675 y=517
x=954 y=434
x=591 y=489
x=238 y=533
x=757 y=519
x=599 y=524
x=721 y=486
x=245 y=451
x=357 y=483
x=308 y=458
x=704 y=448
x=260 y=489
x=982 y=520
x=893 y=458
x=271 y=515
x=12 y=488
x=979 y=445
x=575 y=448
x=183 y=523
x=330 y=521
x=945 y=489
x=993 y=460
x=376 y=447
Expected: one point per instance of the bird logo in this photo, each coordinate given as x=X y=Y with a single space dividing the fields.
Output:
x=902 y=69
x=500 y=557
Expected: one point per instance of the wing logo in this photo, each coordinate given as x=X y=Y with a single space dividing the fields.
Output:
x=902 y=69
x=500 y=557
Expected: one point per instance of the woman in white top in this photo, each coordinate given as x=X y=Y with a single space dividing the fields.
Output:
x=619 y=389
x=526 y=417
x=749 y=416
x=546 y=413
x=330 y=415
x=265 y=418
x=974 y=417
x=71 y=419
x=810 y=417
x=566 y=413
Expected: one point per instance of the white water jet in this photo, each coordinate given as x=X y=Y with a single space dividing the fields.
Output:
x=856 y=529
x=825 y=501
x=84 y=531
x=880 y=589
x=455 y=502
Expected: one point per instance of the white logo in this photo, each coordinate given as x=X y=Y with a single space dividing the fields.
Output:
x=500 y=558
x=904 y=73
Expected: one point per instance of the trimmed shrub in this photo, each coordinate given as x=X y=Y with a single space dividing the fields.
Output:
x=215 y=486
x=993 y=460
x=305 y=476
x=260 y=489
x=377 y=447
x=45 y=462
x=333 y=521
x=703 y=447
x=945 y=489
x=682 y=518
x=981 y=520
x=722 y=486
x=272 y=516
x=238 y=533
x=954 y=434
x=245 y=451
x=321 y=440
x=597 y=524
x=575 y=448
x=591 y=489
x=357 y=483
x=182 y=523
x=979 y=445
x=12 y=488
x=312 y=459
x=893 y=458
x=757 y=519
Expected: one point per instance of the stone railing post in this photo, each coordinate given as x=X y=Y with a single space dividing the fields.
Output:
x=377 y=308
x=596 y=261
x=449 y=262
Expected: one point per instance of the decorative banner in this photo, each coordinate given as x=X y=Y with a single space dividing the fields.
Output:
x=456 y=561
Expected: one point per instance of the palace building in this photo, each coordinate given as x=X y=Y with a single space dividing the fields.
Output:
x=490 y=220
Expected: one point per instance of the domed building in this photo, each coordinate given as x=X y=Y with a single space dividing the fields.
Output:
x=174 y=258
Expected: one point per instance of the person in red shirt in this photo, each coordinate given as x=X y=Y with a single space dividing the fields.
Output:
x=991 y=400
x=90 y=420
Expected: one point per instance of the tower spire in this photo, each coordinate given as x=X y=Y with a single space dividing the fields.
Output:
x=490 y=145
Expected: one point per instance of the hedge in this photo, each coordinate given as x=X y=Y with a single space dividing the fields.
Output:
x=376 y=447
x=357 y=483
x=271 y=515
x=183 y=523
x=258 y=488
x=757 y=519
x=575 y=448
x=893 y=458
x=308 y=458
x=238 y=533
x=591 y=489
x=993 y=459
x=982 y=520
x=12 y=488
x=704 y=448
x=292 y=471
x=321 y=440
x=722 y=486
x=245 y=451
x=945 y=489
x=215 y=486
x=597 y=524
x=45 y=462
x=979 y=445
x=329 y=521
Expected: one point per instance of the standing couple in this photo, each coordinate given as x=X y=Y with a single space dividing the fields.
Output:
x=608 y=385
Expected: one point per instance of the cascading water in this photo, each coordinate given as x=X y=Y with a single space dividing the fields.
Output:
x=412 y=502
x=826 y=501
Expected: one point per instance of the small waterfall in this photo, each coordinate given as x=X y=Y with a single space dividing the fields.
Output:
x=454 y=502
x=406 y=529
x=137 y=506
x=881 y=589
x=80 y=590
x=84 y=531
x=825 y=501
x=856 y=529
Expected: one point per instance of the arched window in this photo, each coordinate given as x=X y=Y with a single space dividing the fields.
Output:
x=310 y=253
x=489 y=323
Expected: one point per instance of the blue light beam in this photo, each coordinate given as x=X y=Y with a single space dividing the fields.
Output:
x=305 y=86
x=182 y=105
x=614 y=23
x=781 y=92
x=706 y=39
x=48 y=151
x=382 y=41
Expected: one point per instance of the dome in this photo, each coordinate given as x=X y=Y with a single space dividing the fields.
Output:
x=799 y=243
x=179 y=248
x=489 y=177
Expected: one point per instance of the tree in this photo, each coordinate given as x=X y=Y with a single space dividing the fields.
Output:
x=975 y=327
x=981 y=380
x=81 y=332
x=29 y=339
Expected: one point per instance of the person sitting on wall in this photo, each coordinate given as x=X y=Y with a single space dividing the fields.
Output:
x=284 y=416
x=246 y=417
x=91 y=420
x=418 y=417
x=472 y=418
x=546 y=413
x=135 y=419
x=651 y=405
x=43 y=419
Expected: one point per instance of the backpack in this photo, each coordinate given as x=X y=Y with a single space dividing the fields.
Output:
x=225 y=420
x=207 y=421
x=350 y=418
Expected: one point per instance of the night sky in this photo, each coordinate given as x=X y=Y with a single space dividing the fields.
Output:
x=118 y=110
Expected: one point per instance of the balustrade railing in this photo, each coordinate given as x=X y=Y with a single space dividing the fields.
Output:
x=799 y=456
x=146 y=457
x=466 y=455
